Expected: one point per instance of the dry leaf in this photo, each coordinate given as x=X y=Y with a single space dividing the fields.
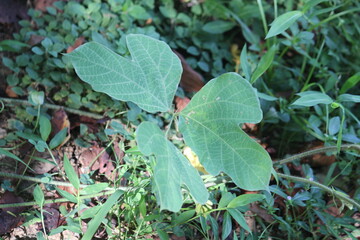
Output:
x=9 y=221
x=77 y=43
x=191 y=81
x=10 y=93
x=60 y=121
x=320 y=159
x=41 y=5
x=35 y=39
x=90 y=162
x=51 y=217
x=181 y=103
x=261 y=213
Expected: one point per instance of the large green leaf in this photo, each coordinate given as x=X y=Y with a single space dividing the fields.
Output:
x=171 y=170
x=150 y=79
x=210 y=125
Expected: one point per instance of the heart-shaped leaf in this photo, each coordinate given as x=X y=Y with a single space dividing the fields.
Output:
x=150 y=79
x=210 y=125
x=172 y=168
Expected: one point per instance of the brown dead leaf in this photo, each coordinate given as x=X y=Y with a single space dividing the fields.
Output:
x=41 y=5
x=181 y=103
x=148 y=21
x=10 y=93
x=333 y=209
x=261 y=213
x=320 y=159
x=119 y=153
x=90 y=161
x=249 y=127
x=9 y=221
x=77 y=43
x=191 y=81
x=60 y=121
x=35 y=39
x=51 y=217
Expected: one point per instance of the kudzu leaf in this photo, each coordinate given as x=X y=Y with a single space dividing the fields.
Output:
x=283 y=22
x=210 y=126
x=312 y=98
x=149 y=79
x=172 y=168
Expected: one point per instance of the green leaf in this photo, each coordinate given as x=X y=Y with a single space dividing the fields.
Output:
x=171 y=170
x=264 y=64
x=312 y=98
x=311 y=4
x=239 y=218
x=183 y=217
x=218 y=26
x=350 y=82
x=138 y=12
x=245 y=64
x=244 y=200
x=227 y=226
x=334 y=125
x=90 y=212
x=39 y=196
x=283 y=22
x=92 y=189
x=45 y=127
x=36 y=98
x=349 y=98
x=12 y=45
x=58 y=138
x=70 y=173
x=94 y=224
x=210 y=126
x=150 y=79
x=67 y=195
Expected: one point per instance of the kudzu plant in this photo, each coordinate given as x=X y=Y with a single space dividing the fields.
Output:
x=210 y=123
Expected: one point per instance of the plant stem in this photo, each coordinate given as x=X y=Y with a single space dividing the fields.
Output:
x=263 y=18
x=313 y=67
x=334 y=192
x=39 y=180
x=52 y=106
x=318 y=150
x=333 y=17
x=58 y=200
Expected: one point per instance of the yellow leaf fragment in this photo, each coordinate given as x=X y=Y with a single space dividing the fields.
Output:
x=194 y=160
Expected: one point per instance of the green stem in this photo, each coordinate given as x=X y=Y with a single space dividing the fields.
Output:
x=333 y=192
x=51 y=106
x=313 y=67
x=39 y=180
x=333 y=17
x=263 y=18
x=58 y=200
x=316 y=151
